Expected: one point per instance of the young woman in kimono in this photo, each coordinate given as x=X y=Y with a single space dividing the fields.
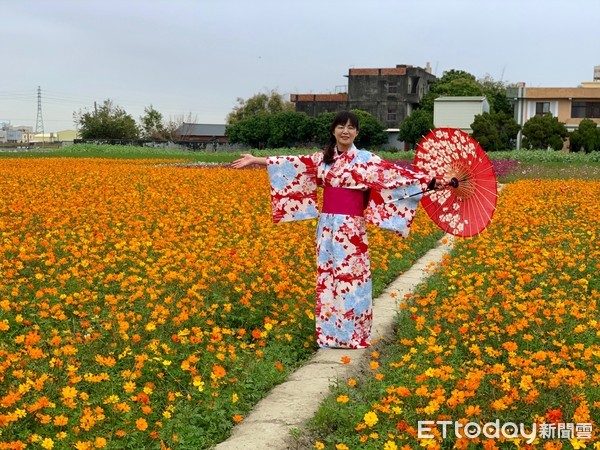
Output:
x=358 y=187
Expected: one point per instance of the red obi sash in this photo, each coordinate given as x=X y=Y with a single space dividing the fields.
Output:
x=349 y=202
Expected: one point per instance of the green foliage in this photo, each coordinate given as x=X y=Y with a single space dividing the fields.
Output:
x=151 y=124
x=453 y=83
x=107 y=122
x=544 y=131
x=495 y=91
x=271 y=103
x=253 y=130
x=548 y=157
x=322 y=125
x=496 y=131
x=289 y=128
x=372 y=133
x=415 y=126
x=586 y=137
x=452 y=75
x=458 y=83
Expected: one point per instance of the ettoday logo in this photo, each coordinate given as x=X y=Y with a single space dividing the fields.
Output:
x=508 y=430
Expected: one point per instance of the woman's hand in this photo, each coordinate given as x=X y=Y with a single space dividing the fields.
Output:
x=435 y=185
x=247 y=160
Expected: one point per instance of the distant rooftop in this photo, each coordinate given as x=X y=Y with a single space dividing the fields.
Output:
x=201 y=129
x=460 y=99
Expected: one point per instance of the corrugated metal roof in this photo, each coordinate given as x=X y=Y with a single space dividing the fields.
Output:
x=201 y=129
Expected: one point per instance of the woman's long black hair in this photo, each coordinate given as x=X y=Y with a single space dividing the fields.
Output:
x=341 y=118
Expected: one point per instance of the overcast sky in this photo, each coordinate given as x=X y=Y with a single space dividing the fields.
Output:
x=195 y=58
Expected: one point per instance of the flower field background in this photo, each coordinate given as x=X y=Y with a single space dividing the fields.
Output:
x=508 y=329
x=144 y=305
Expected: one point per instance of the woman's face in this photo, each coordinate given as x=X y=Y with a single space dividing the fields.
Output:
x=345 y=135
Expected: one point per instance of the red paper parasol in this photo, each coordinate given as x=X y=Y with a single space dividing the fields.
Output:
x=464 y=207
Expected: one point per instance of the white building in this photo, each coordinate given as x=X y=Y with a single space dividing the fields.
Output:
x=13 y=135
x=458 y=112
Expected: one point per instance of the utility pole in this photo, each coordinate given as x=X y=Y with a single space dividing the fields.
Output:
x=39 y=123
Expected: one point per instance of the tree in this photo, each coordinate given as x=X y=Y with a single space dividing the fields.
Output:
x=415 y=126
x=322 y=127
x=106 y=122
x=262 y=103
x=287 y=129
x=544 y=131
x=372 y=133
x=178 y=127
x=152 y=124
x=586 y=137
x=253 y=130
x=456 y=83
x=495 y=131
x=495 y=91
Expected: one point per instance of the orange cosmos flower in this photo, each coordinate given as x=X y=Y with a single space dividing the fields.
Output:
x=60 y=421
x=219 y=371
x=256 y=333
x=510 y=346
x=141 y=424
x=472 y=410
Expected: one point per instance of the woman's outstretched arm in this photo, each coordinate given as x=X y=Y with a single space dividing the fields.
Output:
x=247 y=160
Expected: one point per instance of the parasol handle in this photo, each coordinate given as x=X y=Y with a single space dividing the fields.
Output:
x=453 y=183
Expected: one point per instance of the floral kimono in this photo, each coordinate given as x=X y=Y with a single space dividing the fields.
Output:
x=359 y=187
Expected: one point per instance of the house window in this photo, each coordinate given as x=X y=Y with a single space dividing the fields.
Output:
x=542 y=108
x=585 y=110
x=392 y=113
x=392 y=88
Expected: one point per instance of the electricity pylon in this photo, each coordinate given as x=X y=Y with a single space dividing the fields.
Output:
x=39 y=123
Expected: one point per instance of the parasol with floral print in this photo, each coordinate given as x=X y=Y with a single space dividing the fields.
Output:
x=465 y=205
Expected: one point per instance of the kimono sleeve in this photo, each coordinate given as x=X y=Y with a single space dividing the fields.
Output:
x=395 y=195
x=293 y=181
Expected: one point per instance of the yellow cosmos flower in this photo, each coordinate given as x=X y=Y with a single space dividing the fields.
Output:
x=390 y=445
x=371 y=419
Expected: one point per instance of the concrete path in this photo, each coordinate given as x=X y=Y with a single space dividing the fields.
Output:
x=292 y=403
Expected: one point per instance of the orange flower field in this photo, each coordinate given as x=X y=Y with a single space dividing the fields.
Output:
x=150 y=306
x=507 y=331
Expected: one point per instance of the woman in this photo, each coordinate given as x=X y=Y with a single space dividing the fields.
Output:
x=358 y=187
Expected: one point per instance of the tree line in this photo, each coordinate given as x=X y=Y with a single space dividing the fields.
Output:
x=267 y=120
x=498 y=130
x=111 y=122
